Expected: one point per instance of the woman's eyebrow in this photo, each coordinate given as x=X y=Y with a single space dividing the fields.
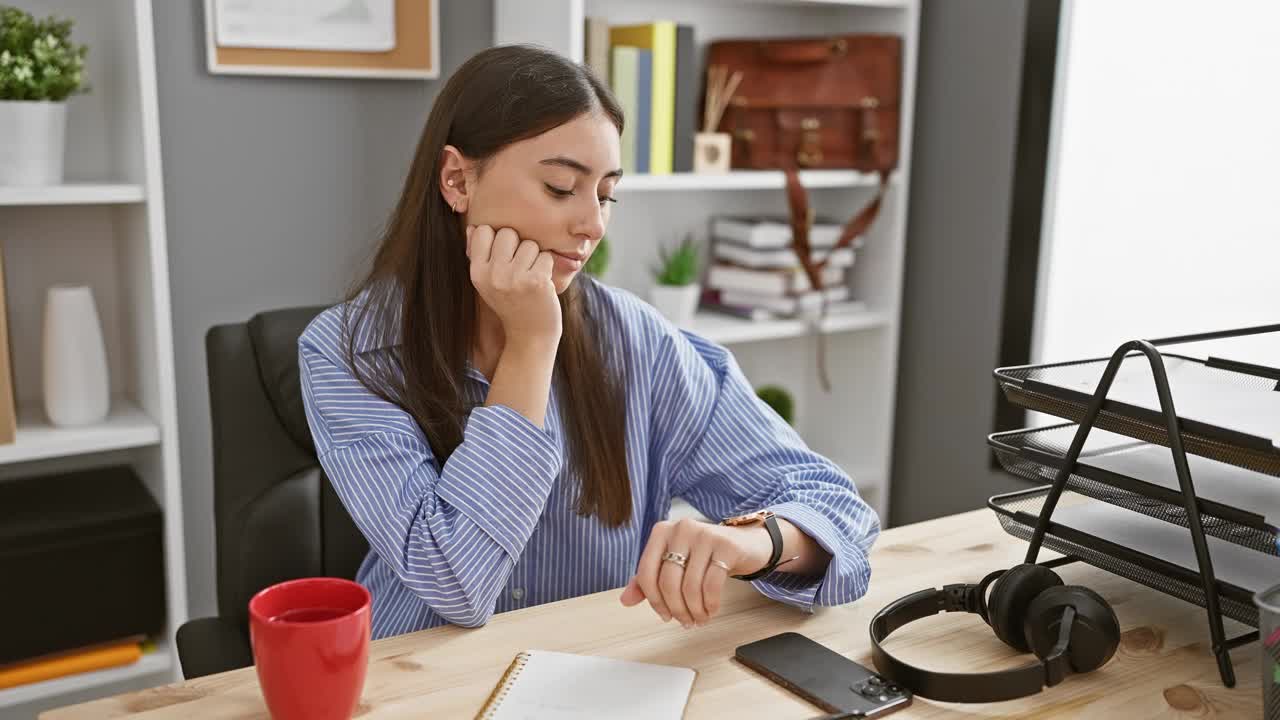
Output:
x=572 y=164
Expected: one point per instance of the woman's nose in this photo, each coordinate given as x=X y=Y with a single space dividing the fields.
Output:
x=591 y=222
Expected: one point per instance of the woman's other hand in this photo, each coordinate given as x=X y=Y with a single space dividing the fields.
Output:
x=691 y=594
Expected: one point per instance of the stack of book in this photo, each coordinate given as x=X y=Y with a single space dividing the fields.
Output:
x=653 y=71
x=756 y=275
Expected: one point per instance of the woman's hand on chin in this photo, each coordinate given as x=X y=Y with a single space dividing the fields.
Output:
x=513 y=277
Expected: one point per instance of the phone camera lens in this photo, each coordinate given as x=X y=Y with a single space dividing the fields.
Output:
x=875 y=680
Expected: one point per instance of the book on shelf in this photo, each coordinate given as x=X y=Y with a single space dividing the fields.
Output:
x=662 y=112
x=659 y=38
x=626 y=71
x=596 y=51
x=770 y=233
x=780 y=259
x=713 y=301
x=786 y=304
x=787 y=281
x=688 y=89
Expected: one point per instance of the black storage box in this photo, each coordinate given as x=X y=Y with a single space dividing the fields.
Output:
x=81 y=561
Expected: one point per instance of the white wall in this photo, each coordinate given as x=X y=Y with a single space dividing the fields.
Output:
x=1162 y=208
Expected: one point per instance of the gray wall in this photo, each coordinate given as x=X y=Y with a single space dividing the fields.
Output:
x=957 y=235
x=274 y=191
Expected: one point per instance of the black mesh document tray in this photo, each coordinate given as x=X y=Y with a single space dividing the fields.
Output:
x=1237 y=505
x=1227 y=411
x=1137 y=561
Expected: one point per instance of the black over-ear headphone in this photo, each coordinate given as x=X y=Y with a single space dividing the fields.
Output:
x=1070 y=628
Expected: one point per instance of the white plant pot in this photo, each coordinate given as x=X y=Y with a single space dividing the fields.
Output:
x=76 y=388
x=33 y=137
x=677 y=303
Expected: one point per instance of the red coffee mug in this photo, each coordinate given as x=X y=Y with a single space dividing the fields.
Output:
x=310 y=641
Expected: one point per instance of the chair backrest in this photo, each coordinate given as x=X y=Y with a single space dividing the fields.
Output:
x=276 y=516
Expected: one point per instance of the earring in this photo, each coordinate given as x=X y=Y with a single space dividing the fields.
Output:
x=450 y=182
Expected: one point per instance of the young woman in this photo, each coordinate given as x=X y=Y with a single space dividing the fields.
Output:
x=506 y=431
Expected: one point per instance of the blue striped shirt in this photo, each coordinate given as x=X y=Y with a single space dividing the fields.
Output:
x=495 y=528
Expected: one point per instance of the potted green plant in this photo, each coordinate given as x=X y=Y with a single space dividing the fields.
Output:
x=780 y=400
x=675 y=290
x=598 y=263
x=39 y=69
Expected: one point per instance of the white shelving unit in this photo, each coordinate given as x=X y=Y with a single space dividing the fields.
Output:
x=104 y=227
x=853 y=424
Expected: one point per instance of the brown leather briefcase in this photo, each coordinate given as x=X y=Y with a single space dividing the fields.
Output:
x=815 y=102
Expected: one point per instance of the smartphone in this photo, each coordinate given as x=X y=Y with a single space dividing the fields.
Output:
x=823 y=676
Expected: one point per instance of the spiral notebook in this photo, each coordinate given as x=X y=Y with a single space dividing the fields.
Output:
x=551 y=685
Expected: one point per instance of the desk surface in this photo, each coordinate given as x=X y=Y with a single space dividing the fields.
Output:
x=1163 y=665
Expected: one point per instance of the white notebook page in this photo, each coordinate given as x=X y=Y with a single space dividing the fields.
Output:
x=564 y=686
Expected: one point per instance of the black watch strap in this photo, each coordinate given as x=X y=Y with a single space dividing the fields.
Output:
x=770 y=524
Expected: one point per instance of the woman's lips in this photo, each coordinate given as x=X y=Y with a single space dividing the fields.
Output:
x=571 y=262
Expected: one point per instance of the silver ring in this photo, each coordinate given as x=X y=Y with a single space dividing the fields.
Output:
x=677 y=558
x=721 y=563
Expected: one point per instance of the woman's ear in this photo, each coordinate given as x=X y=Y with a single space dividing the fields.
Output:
x=455 y=178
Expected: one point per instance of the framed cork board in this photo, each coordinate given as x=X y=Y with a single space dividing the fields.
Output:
x=324 y=38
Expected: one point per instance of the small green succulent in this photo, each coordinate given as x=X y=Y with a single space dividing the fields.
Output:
x=679 y=266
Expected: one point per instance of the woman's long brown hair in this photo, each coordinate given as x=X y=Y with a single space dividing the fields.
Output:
x=420 y=278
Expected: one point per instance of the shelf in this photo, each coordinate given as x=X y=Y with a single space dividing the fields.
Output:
x=36 y=439
x=726 y=329
x=152 y=663
x=72 y=194
x=746 y=180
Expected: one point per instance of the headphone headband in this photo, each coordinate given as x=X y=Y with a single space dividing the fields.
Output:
x=960 y=687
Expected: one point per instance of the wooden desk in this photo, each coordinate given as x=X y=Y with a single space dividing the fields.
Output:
x=1162 y=669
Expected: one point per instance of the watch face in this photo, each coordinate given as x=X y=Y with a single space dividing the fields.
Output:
x=757 y=516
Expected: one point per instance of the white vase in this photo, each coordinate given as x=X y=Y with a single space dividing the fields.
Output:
x=32 y=141
x=76 y=388
x=676 y=303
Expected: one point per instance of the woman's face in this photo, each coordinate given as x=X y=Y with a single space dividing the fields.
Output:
x=555 y=189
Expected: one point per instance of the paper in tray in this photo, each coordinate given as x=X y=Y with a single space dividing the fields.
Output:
x=1158 y=555
x=1224 y=414
x=1237 y=505
x=1232 y=564
x=1222 y=483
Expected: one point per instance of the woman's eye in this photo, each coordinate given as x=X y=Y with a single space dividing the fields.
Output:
x=605 y=198
x=557 y=191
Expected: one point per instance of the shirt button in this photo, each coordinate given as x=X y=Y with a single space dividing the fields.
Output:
x=517 y=593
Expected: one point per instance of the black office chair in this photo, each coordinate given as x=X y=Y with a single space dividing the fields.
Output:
x=275 y=514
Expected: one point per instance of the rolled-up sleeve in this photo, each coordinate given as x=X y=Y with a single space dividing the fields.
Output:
x=451 y=534
x=729 y=453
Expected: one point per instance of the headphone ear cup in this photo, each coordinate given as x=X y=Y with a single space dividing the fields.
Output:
x=1095 y=634
x=1009 y=599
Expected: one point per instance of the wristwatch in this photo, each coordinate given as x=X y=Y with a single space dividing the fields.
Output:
x=771 y=524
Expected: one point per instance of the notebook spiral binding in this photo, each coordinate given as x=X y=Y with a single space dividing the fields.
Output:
x=494 y=703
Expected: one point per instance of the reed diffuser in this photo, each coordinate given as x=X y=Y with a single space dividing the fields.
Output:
x=711 y=149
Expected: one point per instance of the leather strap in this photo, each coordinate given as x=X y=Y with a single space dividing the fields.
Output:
x=775 y=535
x=801 y=221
